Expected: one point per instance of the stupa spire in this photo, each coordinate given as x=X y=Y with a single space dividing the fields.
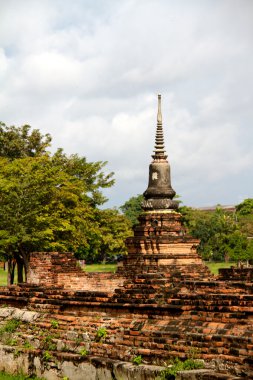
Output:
x=159 y=151
x=159 y=194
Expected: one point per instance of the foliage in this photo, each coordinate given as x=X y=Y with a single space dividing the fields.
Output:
x=20 y=142
x=48 y=343
x=132 y=208
x=51 y=203
x=106 y=239
x=244 y=214
x=90 y=174
x=27 y=345
x=246 y=207
x=41 y=208
x=47 y=356
x=11 y=342
x=101 y=333
x=245 y=223
x=54 y=323
x=137 y=360
x=10 y=326
x=6 y=376
x=83 y=352
x=219 y=234
x=178 y=365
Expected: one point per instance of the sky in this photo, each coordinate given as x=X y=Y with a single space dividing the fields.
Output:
x=88 y=72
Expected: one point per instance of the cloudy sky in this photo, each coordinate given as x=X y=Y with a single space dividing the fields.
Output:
x=88 y=72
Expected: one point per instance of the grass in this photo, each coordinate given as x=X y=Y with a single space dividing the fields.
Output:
x=6 y=376
x=3 y=279
x=214 y=267
x=100 y=268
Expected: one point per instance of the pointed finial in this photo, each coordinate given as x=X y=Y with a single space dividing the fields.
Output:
x=159 y=113
x=159 y=151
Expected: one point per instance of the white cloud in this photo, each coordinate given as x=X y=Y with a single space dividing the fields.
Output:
x=88 y=72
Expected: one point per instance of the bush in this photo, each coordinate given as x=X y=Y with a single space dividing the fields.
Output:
x=178 y=365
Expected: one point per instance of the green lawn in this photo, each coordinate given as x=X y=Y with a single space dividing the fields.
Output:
x=3 y=279
x=100 y=268
x=215 y=266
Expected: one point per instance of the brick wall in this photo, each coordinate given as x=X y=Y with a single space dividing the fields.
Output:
x=149 y=317
x=58 y=269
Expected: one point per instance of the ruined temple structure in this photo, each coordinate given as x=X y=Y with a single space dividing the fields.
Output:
x=162 y=303
x=160 y=244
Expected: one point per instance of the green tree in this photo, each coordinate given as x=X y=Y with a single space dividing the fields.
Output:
x=18 y=142
x=250 y=251
x=219 y=234
x=244 y=215
x=132 y=208
x=45 y=206
x=239 y=247
x=246 y=207
x=41 y=208
x=47 y=202
x=106 y=240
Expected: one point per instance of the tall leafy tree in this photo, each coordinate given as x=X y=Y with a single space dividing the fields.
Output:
x=47 y=202
x=42 y=207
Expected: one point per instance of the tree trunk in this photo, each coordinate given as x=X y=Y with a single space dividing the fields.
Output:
x=11 y=271
x=25 y=257
x=20 y=267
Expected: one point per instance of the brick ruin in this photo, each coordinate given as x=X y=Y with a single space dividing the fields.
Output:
x=162 y=303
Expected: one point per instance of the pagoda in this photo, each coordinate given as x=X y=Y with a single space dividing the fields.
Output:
x=160 y=243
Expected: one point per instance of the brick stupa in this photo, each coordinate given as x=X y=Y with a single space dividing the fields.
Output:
x=160 y=243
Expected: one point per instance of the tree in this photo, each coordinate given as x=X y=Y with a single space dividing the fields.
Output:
x=41 y=208
x=246 y=207
x=239 y=247
x=91 y=174
x=106 y=240
x=219 y=234
x=47 y=202
x=244 y=215
x=18 y=142
x=47 y=206
x=132 y=208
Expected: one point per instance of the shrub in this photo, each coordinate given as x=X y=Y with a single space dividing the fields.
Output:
x=101 y=333
x=178 y=365
x=83 y=352
x=10 y=326
x=137 y=360
x=47 y=356
x=54 y=323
